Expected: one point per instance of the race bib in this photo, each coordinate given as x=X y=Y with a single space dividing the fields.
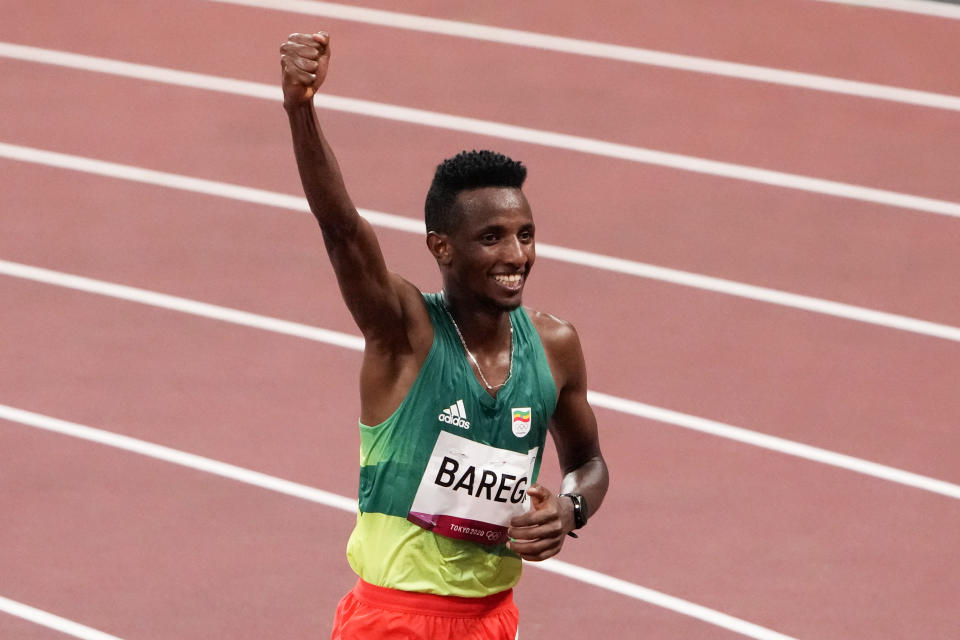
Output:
x=471 y=491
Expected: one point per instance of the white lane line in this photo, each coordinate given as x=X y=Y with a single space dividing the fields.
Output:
x=660 y=599
x=343 y=503
x=773 y=443
x=921 y=7
x=488 y=128
x=594 y=49
x=544 y=250
x=167 y=454
x=182 y=305
x=52 y=621
x=603 y=400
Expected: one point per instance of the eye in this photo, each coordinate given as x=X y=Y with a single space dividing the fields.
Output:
x=489 y=238
x=526 y=235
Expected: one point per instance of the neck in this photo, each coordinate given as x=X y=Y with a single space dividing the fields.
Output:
x=482 y=325
x=489 y=349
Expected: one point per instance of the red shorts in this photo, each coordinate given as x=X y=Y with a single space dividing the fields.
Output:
x=369 y=612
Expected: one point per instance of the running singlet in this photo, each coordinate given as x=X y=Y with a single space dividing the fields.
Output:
x=443 y=475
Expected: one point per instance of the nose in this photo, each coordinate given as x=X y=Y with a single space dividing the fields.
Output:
x=515 y=252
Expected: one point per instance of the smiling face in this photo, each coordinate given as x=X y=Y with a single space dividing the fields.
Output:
x=487 y=257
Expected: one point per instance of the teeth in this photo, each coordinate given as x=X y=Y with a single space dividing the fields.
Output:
x=513 y=279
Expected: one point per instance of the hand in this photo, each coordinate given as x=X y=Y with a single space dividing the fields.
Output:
x=304 y=60
x=539 y=533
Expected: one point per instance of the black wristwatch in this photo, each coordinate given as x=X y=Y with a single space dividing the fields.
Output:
x=580 y=511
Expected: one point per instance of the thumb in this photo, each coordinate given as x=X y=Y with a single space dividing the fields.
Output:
x=539 y=495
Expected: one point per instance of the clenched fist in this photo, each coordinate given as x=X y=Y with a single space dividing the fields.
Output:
x=304 y=59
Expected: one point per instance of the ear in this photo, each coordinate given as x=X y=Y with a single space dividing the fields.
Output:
x=439 y=245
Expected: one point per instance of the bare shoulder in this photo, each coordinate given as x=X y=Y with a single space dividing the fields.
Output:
x=562 y=345
x=410 y=331
x=554 y=332
x=410 y=296
x=415 y=316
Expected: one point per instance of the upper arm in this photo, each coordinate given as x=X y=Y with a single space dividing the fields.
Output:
x=573 y=424
x=379 y=301
x=391 y=314
x=373 y=296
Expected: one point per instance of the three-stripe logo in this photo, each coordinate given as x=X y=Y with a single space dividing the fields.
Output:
x=455 y=414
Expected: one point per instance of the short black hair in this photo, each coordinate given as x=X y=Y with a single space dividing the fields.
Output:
x=467 y=170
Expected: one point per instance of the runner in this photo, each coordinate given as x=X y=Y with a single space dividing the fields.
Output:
x=458 y=390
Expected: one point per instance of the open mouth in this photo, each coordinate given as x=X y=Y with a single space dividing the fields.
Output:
x=511 y=281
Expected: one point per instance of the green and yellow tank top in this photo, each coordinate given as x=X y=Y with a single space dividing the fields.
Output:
x=441 y=477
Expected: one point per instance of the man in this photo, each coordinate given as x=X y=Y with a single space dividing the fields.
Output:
x=457 y=392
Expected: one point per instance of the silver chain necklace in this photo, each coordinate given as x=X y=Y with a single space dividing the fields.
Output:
x=463 y=342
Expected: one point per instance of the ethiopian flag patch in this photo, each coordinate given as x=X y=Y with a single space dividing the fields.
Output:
x=521 y=421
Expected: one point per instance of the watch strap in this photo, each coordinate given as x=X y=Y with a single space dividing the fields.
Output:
x=580 y=510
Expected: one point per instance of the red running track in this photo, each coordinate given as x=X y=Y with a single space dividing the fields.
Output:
x=143 y=549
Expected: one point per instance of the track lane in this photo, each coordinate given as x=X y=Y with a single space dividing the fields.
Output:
x=632 y=268
x=809 y=133
x=936 y=621
x=776 y=34
x=928 y=576
x=599 y=400
x=199 y=385
x=143 y=549
x=840 y=360
x=662 y=364
x=346 y=504
x=678 y=623
x=764 y=236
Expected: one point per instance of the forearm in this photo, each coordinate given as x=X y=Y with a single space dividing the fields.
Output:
x=319 y=172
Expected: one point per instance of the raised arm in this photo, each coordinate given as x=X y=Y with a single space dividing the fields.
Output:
x=541 y=532
x=371 y=293
x=389 y=311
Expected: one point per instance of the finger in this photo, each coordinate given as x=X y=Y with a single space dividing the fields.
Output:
x=296 y=74
x=532 y=519
x=535 y=551
x=302 y=50
x=540 y=557
x=292 y=68
x=301 y=62
x=543 y=508
x=548 y=530
x=539 y=544
x=303 y=38
x=305 y=63
x=317 y=41
x=539 y=491
x=540 y=496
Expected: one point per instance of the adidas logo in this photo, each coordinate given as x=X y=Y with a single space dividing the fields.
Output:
x=455 y=414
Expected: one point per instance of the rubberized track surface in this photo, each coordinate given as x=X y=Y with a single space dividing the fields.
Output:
x=140 y=548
